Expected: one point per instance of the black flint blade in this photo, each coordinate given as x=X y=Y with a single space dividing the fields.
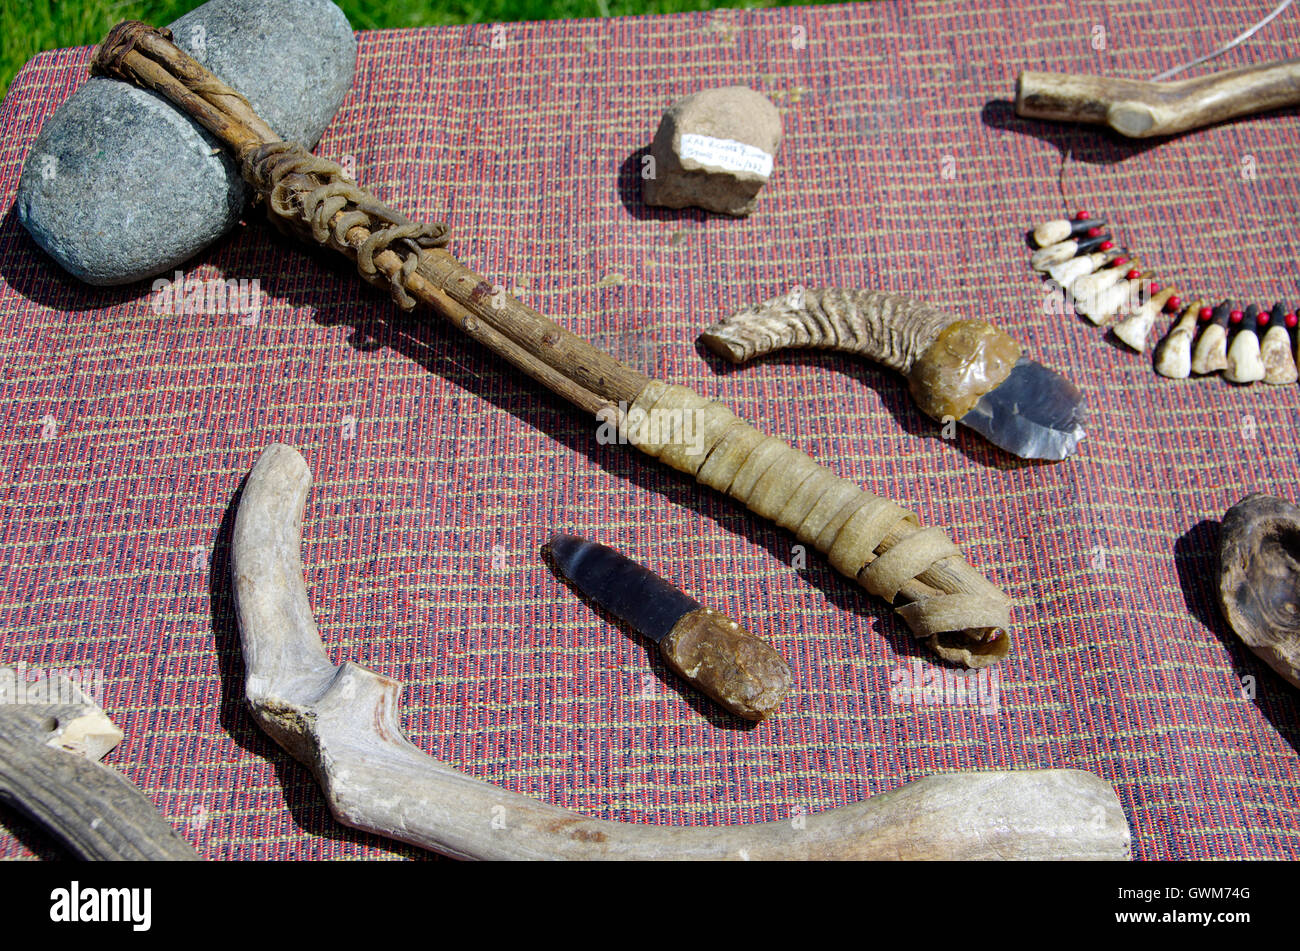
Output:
x=622 y=587
x=1035 y=413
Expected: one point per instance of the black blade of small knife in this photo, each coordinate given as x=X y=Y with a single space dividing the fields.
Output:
x=622 y=587
x=1035 y=413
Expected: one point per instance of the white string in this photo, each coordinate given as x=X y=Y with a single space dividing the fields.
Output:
x=1227 y=46
x=1236 y=41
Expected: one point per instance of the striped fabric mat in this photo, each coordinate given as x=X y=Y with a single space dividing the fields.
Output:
x=440 y=471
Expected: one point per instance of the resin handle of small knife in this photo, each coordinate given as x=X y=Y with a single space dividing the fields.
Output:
x=742 y=672
x=949 y=364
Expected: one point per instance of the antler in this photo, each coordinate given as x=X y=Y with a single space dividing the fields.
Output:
x=342 y=722
x=1141 y=109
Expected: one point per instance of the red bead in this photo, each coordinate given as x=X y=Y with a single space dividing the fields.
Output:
x=1119 y=261
x=1106 y=245
x=1291 y=320
x=1264 y=318
x=1174 y=303
x=1081 y=215
x=1235 y=316
x=1205 y=313
x=1132 y=273
x=1154 y=288
x=1094 y=232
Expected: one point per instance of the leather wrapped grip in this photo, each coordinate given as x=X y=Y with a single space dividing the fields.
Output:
x=960 y=614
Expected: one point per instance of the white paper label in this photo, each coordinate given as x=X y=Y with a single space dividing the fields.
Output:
x=726 y=153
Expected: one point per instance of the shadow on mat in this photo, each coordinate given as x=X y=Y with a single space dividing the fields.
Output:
x=31 y=272
x=33 y=836
x=630 y=175
x=1196 y=557
x=1094 y=144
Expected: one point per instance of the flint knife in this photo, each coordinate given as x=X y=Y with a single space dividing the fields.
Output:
x=957 y=369
x=742 y=672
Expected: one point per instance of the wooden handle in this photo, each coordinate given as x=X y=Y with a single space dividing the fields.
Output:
x=959 y=614
x=1141 y=109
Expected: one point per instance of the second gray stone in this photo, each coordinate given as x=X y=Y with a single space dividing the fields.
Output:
x=120 y=186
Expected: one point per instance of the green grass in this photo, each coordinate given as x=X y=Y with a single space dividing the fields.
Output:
x=29 y=26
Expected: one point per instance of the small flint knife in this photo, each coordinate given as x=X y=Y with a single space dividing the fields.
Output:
x=742 y=672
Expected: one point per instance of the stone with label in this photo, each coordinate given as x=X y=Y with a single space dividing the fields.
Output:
x=714 y=150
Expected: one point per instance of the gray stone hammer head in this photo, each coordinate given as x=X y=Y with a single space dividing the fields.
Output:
x=121 y=186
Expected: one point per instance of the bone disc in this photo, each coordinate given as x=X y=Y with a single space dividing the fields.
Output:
x=1259 y=579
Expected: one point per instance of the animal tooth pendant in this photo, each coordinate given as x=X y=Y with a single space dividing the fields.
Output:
x=1292 y=319
x=1136 y=327
x=1174 y=352
x=1211 y=354
x=1115 y=299
x=1089 y=289
x=1113 y=289
x=1244 y=363
x=1067 y=272
x=1053 y=254
x=1275 y=348
x=1054 y=232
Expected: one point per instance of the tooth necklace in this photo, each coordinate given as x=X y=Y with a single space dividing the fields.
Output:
x=1112 y=288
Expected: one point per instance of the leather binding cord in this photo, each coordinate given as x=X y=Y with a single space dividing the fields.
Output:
x=946 y=602
x=879 y=544
x=327 y=212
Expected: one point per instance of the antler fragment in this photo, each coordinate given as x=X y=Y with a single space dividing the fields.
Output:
x=1141 y=109
x=342 y=722
x=52 y=736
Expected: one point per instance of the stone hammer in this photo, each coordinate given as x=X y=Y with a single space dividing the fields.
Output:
x=121 y=186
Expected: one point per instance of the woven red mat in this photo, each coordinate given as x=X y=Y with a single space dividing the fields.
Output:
x=440 y=472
